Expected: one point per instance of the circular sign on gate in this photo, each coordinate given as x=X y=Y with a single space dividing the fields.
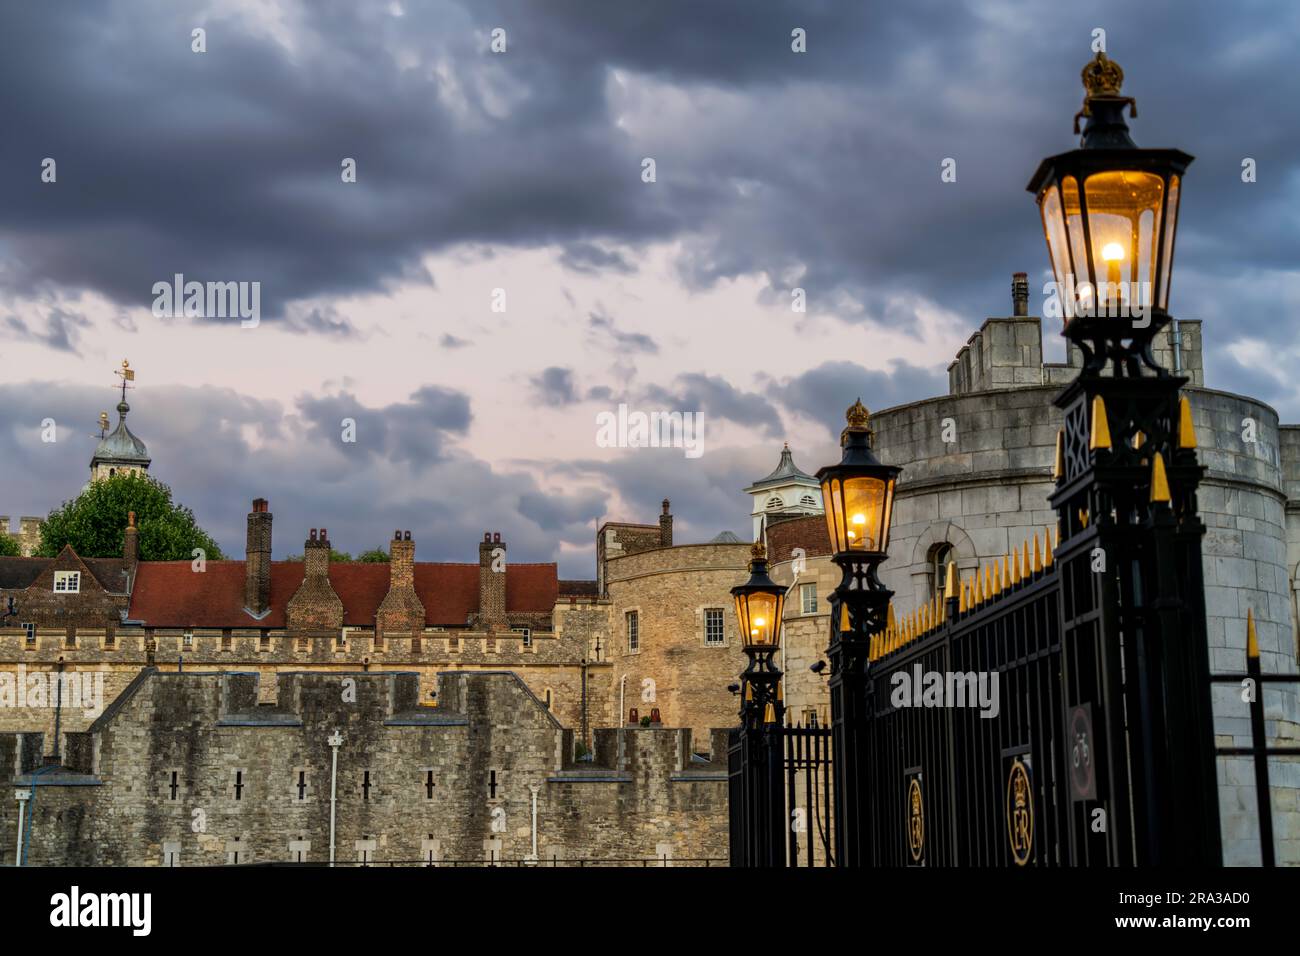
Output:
x=1020 y=813
x=915 y=819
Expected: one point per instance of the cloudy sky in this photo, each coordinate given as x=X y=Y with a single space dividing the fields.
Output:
x=522 y=171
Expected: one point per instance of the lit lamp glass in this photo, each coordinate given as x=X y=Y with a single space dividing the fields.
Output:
x=858 y=493
x=1109 y=209
x=760 y=604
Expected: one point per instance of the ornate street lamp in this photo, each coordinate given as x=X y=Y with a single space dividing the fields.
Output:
x=1127 y=479
x=859 y=500
x=760 y=604
x=1110 y=213
x=757 y=794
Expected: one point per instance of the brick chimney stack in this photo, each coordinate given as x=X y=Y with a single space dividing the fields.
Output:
x=315 y=605
x=1019 y=294
x=492 y=582
x=400 y=613
x=666 y=527
x=131 y=541
x=257 y=559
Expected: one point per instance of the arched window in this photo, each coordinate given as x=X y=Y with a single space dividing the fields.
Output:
x=774 y=502
x=808 y=501
x=937 y=560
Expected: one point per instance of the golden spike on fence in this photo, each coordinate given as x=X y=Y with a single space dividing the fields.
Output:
x=769 y=714
x=1015 y=566
x=1038 y=557
x=1100 y=437
x=1026 y=570
x=1006 y=572
x=1159 y=481
x=1047 y=548
x=950 y=585
x=1186 y=430
x=1252 y=642
x=844 y=618
x=988 y=582
x=875 y=643
x=749 y=692
x=1058 y=469
x=891 y=620
x=1056 y=535
x=961 y=599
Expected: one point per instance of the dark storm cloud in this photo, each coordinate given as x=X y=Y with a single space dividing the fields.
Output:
x=554 y=387
x=602 y=326
x=60 y=332
x=819 y=170
x=570 y=514
x=717 y=398
x=413 y=431
x=589 y=258
x=820 y=393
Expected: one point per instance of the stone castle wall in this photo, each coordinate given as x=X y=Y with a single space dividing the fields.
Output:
x=553 y=662
x=189 y=768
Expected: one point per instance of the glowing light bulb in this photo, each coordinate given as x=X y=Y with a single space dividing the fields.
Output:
x=759 y=622
x=1112 y=253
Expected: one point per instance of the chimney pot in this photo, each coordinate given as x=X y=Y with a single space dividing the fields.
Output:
x=313 y=534
x=1019 y=293
x=397 y=536
x=496 y=537
x=323 y=535
x=406 y=536
x=487 y=536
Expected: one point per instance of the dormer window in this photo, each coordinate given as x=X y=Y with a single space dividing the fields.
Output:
x=774 y=502
x=808 y=501
x=67 y=582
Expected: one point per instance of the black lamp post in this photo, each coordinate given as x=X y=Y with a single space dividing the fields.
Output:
x=760 y=604
x=858 y=495
x=1127 y=484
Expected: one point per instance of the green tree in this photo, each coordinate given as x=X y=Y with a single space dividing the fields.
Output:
x=334 y=556
x=374 y=556
x=95 y=521
x=9 y=546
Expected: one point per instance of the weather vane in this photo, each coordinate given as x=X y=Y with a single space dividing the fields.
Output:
x=128 y=375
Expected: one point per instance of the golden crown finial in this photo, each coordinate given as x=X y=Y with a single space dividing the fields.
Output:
x=1102 y=76
x=857 y=415
x=759 y=551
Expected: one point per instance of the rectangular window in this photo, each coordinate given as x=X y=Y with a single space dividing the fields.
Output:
x=67 y=582
x=187 y=640
x=713 y=626
x=527 y=632
x=808 y=598
x=633 y=632
x=225 y=639
x=110 y=638
x=31 y=634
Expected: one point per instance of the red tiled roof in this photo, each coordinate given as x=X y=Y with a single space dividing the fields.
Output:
x=808 y=533
x=20 y=573
x=171 y=594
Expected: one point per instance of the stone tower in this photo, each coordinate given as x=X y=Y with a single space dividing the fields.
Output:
x=120 y=451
